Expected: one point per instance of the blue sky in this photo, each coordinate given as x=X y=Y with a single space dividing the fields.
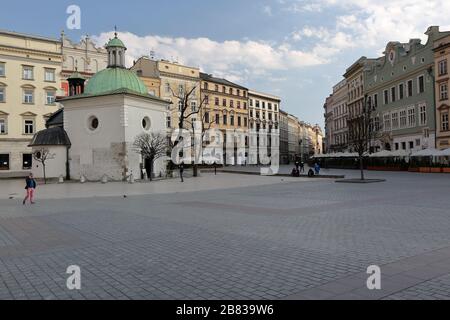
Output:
x=296 y=49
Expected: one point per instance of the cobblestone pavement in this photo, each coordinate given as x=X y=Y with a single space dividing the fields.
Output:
x=280 y=240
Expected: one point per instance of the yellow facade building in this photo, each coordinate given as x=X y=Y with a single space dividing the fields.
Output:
x=174 y=81
x=30 y=68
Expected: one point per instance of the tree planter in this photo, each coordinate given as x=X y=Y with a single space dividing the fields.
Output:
x=435 y=170
x=424 y=170
x=445 y=170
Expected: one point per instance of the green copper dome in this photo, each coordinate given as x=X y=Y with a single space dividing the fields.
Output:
x=113 y=79
x=115 y=42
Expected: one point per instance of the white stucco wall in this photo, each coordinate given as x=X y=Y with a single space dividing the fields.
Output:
x=55 y=167
x=108 y=150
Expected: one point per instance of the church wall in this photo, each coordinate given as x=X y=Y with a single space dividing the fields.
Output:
x=55 y=167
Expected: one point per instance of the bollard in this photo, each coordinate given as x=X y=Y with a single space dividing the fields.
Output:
x=82 y=179
x=104 y=179
x=61 y=179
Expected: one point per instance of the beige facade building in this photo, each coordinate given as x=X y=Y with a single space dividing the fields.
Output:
x=225 y=107
x=84 y=57
x=30 y=71
x=340 y=115
x=294 y=138
x=442 y=57
x=147 y=70
x=264 y=114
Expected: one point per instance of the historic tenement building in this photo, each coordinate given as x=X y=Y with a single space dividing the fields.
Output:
x=328 y=116
x=264 y=113
x=84 y=57
x=284 y=137
x=225 y=107
x=354 y=77
x=30 y=69
x=147 y=70
x=441 y=59
x=400 y=86
x=339 y=118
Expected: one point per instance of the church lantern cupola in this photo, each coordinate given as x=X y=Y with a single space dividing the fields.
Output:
x=116 y=53
x=76 y=84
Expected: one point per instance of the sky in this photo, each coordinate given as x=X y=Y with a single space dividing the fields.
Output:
x=295 y=49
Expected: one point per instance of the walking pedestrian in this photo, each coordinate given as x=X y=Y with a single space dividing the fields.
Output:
x=302 y=167
x=30 y=188
x=181 y=167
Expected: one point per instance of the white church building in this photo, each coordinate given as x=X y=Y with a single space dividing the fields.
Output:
x=99 y=123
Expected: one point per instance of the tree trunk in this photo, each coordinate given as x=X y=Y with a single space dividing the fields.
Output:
x=45 y=176
x=361 y=166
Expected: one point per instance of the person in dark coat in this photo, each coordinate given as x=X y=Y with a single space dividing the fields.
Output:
x=30 y=188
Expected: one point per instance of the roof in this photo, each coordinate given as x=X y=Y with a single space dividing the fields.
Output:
x=115 y=42
x=76 y=76
x=209 y=77
x=26 y=35
x=56 y=119
x=121 y=91
x=55 y=136
x=112 y=79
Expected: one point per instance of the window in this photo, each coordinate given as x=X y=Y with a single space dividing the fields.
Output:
x=421 y=84
x=387 y=122
x=3 y=126
x=423 y=114
x=245 y=122
x=263 y=105
x=443 y=91
x=411 y=145
x=181 y=89
x=386 y=97
x=442 y=67
x=193 y=106
x=50 y=97
x=239 y=92
x=375 y=100
x=169 y=122
x=216 y=87
x=2 y=69
x=245 y=105
x=217 y=118
x=231 y=91
x=394 y=118
x=28 y=96
x=404 y=145
x=206 y=99
x=205 y=86
x=231 y=103
x=28 y=73
x=232 y=120
x=239 y=104
x=216 y=102
x=251 y=102
x=444 y=122
x=167 y=87
x=224 y=89
x=396 y=146
x=180 y=106
x=224 y=102
x=2 y=94
x=239 y=121
x=410 y=88
x=207 y=117
x=93 y=123
x=50 y=75
x=29 y=127
x=393 y=97
x=27 y=161
x=411 y=117
x=401 y=91
x=225 y=119
x=146 y=123
x=403 y=119
x=269 y=106
x=417 y=142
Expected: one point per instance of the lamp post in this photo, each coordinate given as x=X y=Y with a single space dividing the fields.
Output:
x=430 y=72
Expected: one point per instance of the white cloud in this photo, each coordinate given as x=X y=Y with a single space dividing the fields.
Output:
x=233 y=59
x=371 y=24
x=267 y=10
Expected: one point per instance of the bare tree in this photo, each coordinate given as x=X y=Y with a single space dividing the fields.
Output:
x=151 y=146
x=42 y=156
x=189 y=112
x=362 y=130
